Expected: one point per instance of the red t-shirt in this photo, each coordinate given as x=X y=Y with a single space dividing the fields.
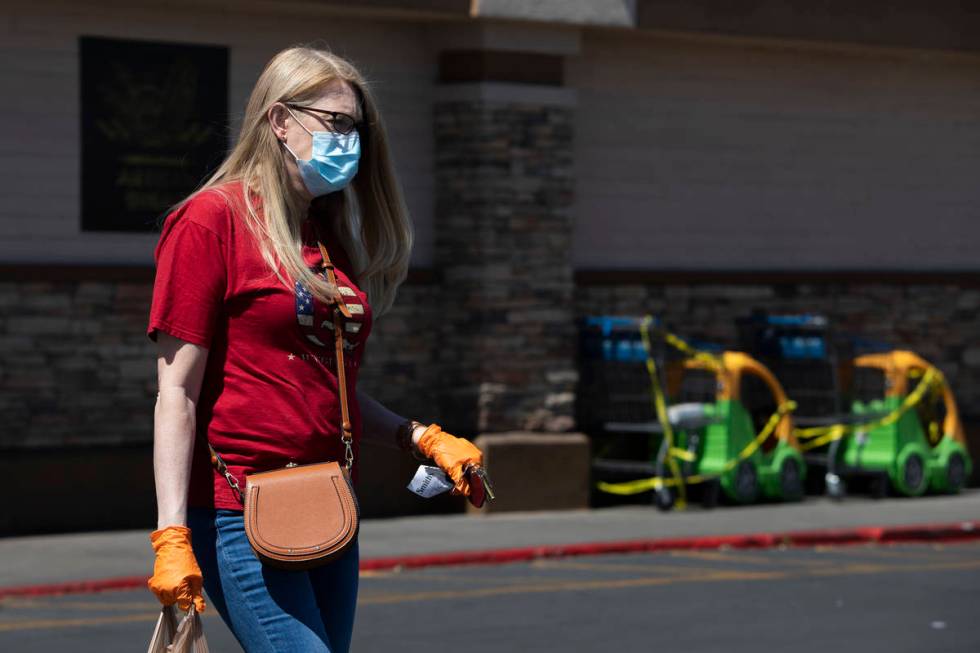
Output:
x=270 y=392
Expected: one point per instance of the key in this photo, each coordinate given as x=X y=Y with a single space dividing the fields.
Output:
x=481 y=488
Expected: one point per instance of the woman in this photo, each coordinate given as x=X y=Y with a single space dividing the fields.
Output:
x=242 y=322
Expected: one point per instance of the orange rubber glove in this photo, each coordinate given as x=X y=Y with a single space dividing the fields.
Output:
x=451 y=454
x=176 y=576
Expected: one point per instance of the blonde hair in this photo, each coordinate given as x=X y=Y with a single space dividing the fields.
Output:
x=375 y=229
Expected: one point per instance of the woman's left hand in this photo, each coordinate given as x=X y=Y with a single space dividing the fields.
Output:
x=451 y=454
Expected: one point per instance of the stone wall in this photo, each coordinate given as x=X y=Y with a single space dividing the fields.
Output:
x=503 y=244
x=77 y=377
x=76 y=367
x=77 y=370
x=398 y=368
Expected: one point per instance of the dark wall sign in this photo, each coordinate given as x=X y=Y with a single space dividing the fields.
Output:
x=154 y=123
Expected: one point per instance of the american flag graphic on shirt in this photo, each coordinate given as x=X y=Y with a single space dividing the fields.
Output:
x=306 y=316
x=304 y=305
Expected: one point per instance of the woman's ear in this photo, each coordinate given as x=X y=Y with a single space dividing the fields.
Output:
x=278 y=116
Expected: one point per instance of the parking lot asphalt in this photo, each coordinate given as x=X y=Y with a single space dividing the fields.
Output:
x=73 y=557
x=896 y=598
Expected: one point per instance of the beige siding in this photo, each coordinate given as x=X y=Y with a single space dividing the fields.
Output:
x=39 y=156
x=714 y=156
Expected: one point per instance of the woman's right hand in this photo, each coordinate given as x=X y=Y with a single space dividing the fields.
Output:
x=176 y=575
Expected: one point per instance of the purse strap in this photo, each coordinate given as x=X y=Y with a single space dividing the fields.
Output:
x=340 y=309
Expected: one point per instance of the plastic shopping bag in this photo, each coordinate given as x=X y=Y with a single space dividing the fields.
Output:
x=185 y=636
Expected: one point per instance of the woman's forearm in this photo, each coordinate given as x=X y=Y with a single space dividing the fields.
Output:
x=173 y=448
x=381 y=424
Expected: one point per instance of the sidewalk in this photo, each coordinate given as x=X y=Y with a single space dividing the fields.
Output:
x=55 y=559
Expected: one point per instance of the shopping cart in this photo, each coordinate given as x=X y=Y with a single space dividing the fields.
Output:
x=730 y=432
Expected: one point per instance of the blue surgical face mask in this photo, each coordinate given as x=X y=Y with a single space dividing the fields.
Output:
x=333 y=163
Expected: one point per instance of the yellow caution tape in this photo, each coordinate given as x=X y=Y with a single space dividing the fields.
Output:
x=660 y=404
x=683 y=454
x=713 y=362
x=821 y=435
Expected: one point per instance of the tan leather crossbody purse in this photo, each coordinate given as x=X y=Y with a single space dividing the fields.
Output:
x=303 y=516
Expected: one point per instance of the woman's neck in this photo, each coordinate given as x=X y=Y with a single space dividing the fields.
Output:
x=328 y=207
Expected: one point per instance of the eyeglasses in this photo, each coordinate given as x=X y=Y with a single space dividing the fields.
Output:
x=339 y=122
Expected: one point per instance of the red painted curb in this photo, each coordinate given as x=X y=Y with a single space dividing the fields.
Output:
x=76 y=587
x=955 y=532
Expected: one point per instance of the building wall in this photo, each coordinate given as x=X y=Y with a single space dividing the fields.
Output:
x=705 y=154
x=77 y=373
x=39 y=67
x=697 y=153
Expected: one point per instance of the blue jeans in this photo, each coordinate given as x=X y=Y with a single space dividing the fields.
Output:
x=272 y=610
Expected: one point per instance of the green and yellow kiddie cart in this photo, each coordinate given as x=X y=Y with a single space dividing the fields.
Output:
x=740 y=440
x=718 y=424
x=913 y=436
